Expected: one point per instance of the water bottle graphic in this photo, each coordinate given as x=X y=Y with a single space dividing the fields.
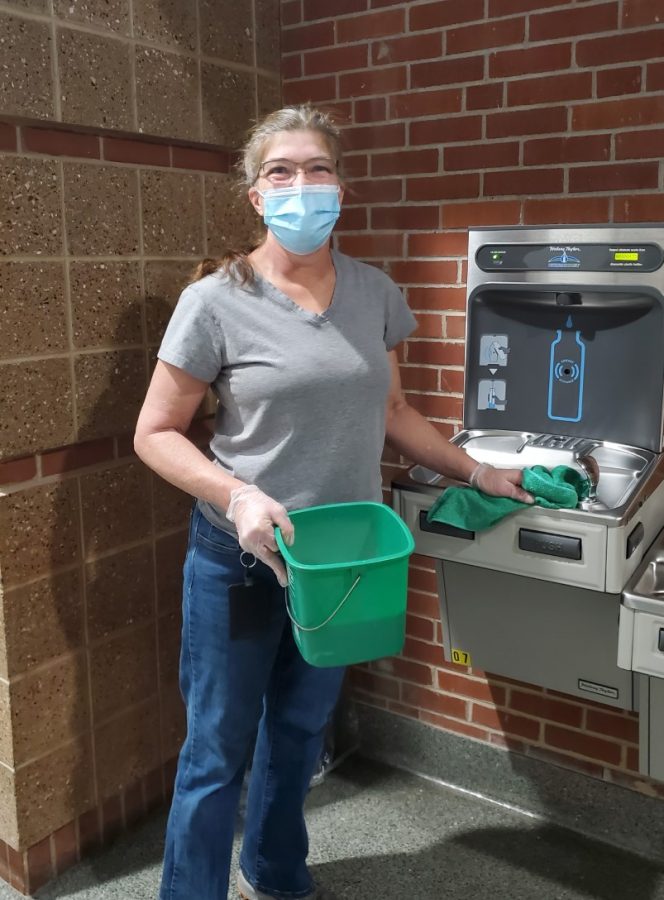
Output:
x=566 y=375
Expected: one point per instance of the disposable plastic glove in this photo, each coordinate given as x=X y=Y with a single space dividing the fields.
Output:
x=499 y=482
x=255 y=516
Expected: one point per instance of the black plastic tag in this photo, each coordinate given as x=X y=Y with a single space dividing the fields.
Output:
x=249 y=608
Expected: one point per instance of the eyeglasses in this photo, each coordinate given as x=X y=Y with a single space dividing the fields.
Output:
x=283 y=172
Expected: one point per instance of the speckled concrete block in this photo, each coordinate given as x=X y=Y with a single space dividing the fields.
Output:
x=269 y=95
x=161 y=75
x=102 y=210
x=123 y=671
x=95 y=80
x=42 y=620
x=8 y=820
x=229 y=105
x=171 y=506
x=231 y=220
x=49 y=707
x=170 y=635
x=36 y=6
x=105 y=304
x=6 y=733
x=164 y=282
x=111 y=14
x=268 y=47
x=35 y=407
x=110 y=388
x=172 y=214
x=26 y=83
x=30 y=197
x=170 y=552
x=127 y=748
x=116 y=507
x=54 y=789
x=226 y=30
x=173 y=721
x=120 y=591
x=39 y=531
x=33 y=315
x=170 y=23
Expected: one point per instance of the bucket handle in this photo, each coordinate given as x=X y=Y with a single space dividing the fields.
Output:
x=291 y=616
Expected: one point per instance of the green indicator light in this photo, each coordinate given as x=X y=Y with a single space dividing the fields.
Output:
x=626 y=257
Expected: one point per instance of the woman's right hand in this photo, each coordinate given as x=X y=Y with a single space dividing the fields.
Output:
x=255 y=516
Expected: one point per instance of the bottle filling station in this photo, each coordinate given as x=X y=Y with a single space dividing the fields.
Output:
x=564 y=365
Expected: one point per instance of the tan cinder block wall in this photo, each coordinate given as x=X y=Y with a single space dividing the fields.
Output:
x=117 y=126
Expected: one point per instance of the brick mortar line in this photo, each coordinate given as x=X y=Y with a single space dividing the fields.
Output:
x=55 y=68
x=527 y=15
x=132 y=68
x=572 y=39
x=606 y=767
x=69 y=311
x=493 y=113
x=43 y=667
x=119 y=713
x=450 y=87
x=581 y=729
x=55 y=571
x=199 y=75
x=23 y=360
x=46 y=664
x=54 y=749
x=106 y=554
x=151 y=481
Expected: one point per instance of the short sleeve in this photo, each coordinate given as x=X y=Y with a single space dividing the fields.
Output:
x=193 y=340
x=399 y=320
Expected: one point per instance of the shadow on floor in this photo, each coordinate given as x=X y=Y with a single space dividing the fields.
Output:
x=380 y=833
x=545 y=863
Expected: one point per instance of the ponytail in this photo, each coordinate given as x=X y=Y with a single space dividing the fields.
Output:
x=233 y=264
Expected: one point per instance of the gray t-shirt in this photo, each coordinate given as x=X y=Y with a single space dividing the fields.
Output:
x=301 y=396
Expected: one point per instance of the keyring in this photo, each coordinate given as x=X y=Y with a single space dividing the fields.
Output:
x=243 y=563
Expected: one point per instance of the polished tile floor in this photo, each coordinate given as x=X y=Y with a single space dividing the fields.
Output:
x=380 y=833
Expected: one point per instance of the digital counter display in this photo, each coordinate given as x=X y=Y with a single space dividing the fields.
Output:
x=626 y=257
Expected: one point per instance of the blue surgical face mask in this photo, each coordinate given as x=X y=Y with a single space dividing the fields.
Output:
x=302 y=216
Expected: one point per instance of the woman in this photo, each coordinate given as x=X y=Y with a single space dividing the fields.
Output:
x=298 y=343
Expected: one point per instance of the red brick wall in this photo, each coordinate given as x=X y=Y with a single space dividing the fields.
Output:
x=481 y=112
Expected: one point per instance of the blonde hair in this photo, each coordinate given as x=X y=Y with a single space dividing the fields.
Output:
x=305 y=117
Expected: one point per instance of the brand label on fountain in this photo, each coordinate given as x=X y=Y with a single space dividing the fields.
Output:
x=593 y=688
x=579 y=257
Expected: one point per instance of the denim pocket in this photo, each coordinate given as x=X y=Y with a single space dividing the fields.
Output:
x=219 y=541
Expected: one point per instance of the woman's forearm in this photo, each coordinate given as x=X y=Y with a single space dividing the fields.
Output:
x=413 y=436
x=173 y=456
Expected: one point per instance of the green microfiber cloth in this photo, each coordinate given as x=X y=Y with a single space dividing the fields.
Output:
x=473 y=510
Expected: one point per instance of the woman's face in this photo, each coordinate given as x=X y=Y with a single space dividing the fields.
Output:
x=294 y=157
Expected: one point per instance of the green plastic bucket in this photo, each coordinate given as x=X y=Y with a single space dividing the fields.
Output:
x=347 y=582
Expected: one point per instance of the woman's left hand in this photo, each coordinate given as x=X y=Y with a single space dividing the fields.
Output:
x=499 y=482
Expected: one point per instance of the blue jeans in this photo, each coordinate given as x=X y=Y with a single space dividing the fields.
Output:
x=231 y=685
